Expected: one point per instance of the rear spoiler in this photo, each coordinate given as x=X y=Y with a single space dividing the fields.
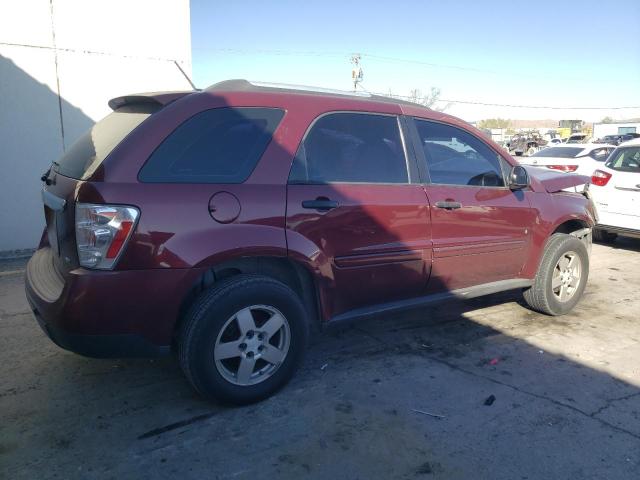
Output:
x=155 y=98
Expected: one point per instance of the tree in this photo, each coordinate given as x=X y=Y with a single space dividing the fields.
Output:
x=494 y=123
x=606 y=120
x=429 y=100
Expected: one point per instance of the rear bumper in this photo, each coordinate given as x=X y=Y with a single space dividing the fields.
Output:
x=101 y=346
x=128 y=313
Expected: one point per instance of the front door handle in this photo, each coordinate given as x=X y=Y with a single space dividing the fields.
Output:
x=320 y=203
x=448 y=205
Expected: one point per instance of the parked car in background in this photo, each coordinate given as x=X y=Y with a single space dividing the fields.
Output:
x=526 y=143
x=618 y=139
x=578 y=138
x=582 y=159
x=610 y=139
x=226 y=223
x=615 y=187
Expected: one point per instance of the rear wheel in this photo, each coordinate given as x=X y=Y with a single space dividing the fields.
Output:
x=603 y=236
x=243 y=339
x=561 y=278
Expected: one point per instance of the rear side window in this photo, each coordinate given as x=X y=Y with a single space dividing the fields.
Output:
x=351 y=148
x=221 y=145
x=88 y=152
x=601 y=154
x=625 y=160
x=455 y=157
x=559 y=152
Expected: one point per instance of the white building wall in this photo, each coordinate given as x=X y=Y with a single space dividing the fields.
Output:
x=602 y=129
x=60 y=63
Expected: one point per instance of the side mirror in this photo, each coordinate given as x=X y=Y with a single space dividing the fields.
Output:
x=518 y=178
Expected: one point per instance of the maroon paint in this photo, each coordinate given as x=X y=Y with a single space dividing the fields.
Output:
x=374 y=245
x=383 y=242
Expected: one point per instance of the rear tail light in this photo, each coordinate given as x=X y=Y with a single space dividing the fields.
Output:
x=102 y=232
x=563 y=168
x=600 y=178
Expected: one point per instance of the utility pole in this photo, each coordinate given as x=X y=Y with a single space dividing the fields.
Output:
x=356 y=71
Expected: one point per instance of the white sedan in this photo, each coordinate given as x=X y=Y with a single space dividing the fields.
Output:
x=575 y=158
x=615 y=187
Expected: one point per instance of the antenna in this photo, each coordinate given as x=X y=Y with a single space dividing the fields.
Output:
x=356 y=71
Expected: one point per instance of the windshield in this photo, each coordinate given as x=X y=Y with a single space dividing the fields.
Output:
x=88 y=152
x=558 y=152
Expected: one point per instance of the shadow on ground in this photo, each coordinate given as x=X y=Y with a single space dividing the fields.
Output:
x=477 y=389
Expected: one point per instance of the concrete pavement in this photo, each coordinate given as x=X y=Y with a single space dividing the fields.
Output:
x=483 y=389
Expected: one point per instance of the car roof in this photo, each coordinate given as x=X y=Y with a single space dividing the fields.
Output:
x=630 y=143
x=235 y=90
x=241 y=85
x=244 y=92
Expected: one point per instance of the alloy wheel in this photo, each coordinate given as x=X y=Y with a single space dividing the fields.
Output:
x=252 y=345
x=566 y=276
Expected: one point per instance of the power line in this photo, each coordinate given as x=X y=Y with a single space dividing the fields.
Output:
x=303 y=53
x=428 y=64
x=313 y=53
x=468 y=102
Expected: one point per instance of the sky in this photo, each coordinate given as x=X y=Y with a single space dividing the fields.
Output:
x=542 y=53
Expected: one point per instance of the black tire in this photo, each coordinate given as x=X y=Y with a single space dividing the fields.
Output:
x=602 y=236
x=208 y=315
x=540 y=296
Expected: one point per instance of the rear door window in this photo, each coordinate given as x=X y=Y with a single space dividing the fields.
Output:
x=625 y=160
x=221 y=145
x=89 y=151
x=351 y=148
x=601 y=154
x=455 y=157
x=559 y=152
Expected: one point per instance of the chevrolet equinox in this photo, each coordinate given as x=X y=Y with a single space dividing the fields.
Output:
x=225 y=224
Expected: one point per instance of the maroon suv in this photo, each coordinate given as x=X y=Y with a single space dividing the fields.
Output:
x=225 y=223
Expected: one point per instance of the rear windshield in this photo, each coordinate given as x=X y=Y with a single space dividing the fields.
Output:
x=89 y=151
x=625 y=160
x=558 y=152
x=221 y=145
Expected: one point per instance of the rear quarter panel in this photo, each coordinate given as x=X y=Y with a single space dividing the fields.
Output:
x=175 y=229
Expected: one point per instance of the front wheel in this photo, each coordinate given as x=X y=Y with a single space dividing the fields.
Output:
x=243 y=339
x=561 y=277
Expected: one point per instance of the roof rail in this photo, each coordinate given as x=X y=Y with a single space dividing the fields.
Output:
x=241 y=84
x=246 y=85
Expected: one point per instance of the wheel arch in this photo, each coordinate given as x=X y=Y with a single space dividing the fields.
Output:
x=567 y=225
x=290 y=272
x=570 y=225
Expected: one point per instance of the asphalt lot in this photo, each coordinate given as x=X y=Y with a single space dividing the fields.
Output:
x=566 y=398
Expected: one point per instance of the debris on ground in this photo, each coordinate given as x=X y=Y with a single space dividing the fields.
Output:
x=434 y=415
x=489 y=401
x=324 y=367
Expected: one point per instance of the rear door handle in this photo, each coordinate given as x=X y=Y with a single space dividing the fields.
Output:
x=448 y=205
x=320 y=203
